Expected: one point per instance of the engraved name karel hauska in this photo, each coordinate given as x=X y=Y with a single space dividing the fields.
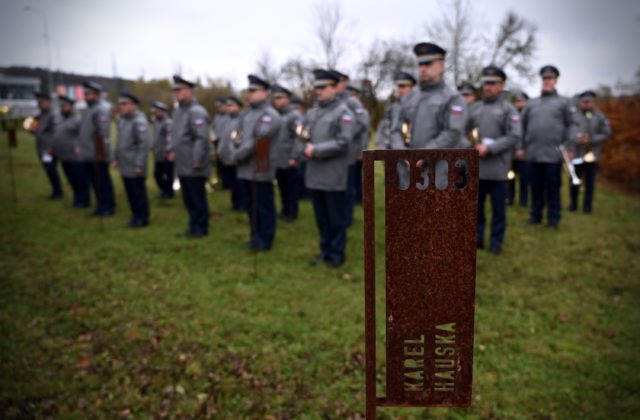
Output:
x=444 y=354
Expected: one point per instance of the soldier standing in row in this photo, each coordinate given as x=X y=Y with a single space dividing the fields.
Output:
x=547 y=123
x=95 y=147
x=218 y=126
x=284 y=152
x=591 y=131
x=67 y=148
x=163 y=156
x=468 y=92
x=499 y=131
x=331 y=127
x=361 y=142
x=258 y=130
x=227 y=134
x=432 y=118
x=190 y=140
x=131 y=157
x=520 y=166
x=360 y=125
x=404 y=88
x=44 y=143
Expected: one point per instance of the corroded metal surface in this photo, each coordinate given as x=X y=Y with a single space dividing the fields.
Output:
x=430 y=249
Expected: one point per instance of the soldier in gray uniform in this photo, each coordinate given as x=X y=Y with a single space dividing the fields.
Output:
x=284 y=156
x=592 y=130
x=162 y=148
x=362 y=122
x=44 y=142
x=227 y=134
x=95 y=147
x=468 y=92
x=131 y=157
x=258 y=130
x=191 y=145
x=404 y=88
x=498 y=131
x=547 y=123
x=219 y=121
x=518 y=164
x=432 y=118
x=360 y=143
x=67 y=148
x=331 y=128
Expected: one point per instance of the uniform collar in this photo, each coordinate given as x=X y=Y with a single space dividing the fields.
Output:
x=551 y=93
x=187 y=104
x=258 y=105
x=431 y=85
x=285 y=110
x=325 y=104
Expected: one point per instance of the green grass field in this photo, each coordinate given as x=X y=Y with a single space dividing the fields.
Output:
x=101 y=321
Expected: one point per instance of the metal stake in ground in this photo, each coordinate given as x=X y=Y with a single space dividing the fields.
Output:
x=430 y=254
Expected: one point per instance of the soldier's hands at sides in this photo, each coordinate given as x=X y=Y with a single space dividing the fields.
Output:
x=171 y=156
x=520 y=154
x=115 y=164
x=482 y=149
x=308 y=150
x=76 y=151
x=583 y=139
x=293 y=163
x=196 y=166
x=138 y=171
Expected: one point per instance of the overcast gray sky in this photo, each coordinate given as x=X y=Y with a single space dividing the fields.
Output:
x=593 y=42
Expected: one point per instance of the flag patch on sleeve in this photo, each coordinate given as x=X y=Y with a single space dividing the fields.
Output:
x=515 y=118
x=198 y=122
x=346 y=119
x=456 y=110
x=266 y=119
x=142 y=128
x=103 y=118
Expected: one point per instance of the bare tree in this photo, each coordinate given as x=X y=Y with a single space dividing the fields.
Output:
x=383 y=58
x=455 y=31
x=266 y=69
x=514 y=45
x=329 y=22
x=297 y=72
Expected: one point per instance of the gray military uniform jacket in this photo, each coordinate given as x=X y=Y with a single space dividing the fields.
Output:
x=224 y=148
x=547 y=122
x=190 y=139
x=284 y=148
x=383 y=134
x=361 y=124
x=498 y=124
x=133 y=144
x=219 y=122
x=161 y=139
x=436 y=115
x=96 y=121
x=261 y=120
x=44 y=132
x=599 y=129
x=331 y=127
x=66 y=137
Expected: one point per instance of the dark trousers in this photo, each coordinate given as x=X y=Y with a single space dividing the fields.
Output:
x=496 y=190
x=194 y=197
x=587 y=173
x=330 y=208
x=358 y=182
x=303 y=192
x=546 y=179
x=51 y=169
x=76 y=173
x=163 y=173
x=220 y=171
x=102 y=187
x=351 y=193
x=229 y=178
x=138 y=200
x=262 y=212
x=521 y=169
x=288 y=192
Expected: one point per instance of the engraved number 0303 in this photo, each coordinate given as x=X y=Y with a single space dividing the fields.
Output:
x=403 y=171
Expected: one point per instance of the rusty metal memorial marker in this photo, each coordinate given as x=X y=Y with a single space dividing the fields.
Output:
x=430 y=251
